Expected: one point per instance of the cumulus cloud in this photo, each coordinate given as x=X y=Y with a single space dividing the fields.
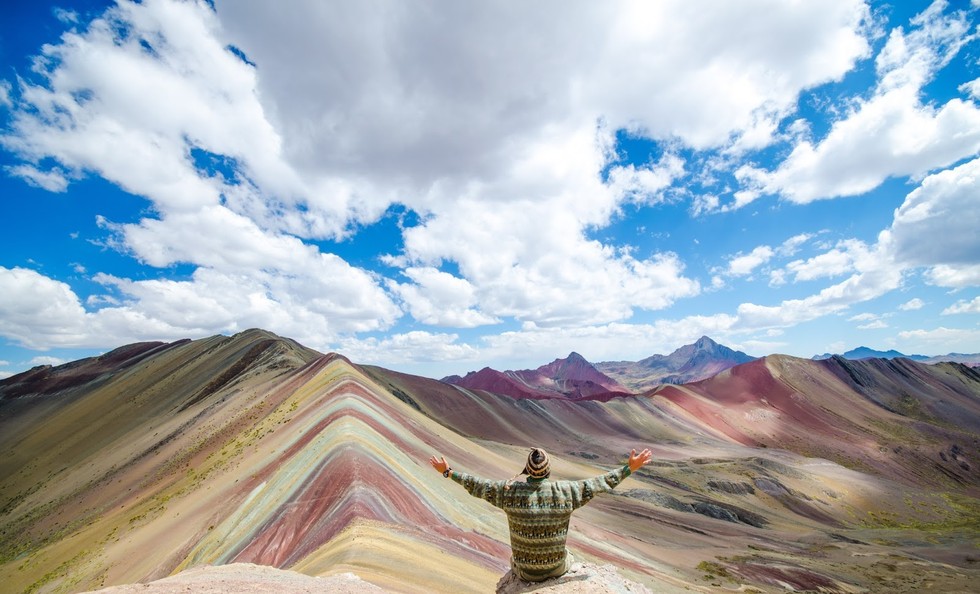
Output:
x=963 y=306
x=482 y=145
x=498 y=132
x=793 y=244
x=936 y=227
x=743 y=265
x=944 y=339
x=604 y=342
x=409 y=347
x=44 y=360
x=150 y=98
x=441 y=299
x=842 y=259
x=39 y=312
x=52 y=180
x=873 y=273
x=42 y=312
x=912 y=304
x=864 y=317
x=892 y=132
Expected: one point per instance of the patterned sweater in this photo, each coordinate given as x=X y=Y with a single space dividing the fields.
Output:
x=538 y=512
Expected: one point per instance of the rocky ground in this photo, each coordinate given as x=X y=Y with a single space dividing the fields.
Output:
x=246 y=577
x=583 y=578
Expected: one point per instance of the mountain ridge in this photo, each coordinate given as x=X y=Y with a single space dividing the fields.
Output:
x=863 y=352
x=687 y=363
x=569 y=377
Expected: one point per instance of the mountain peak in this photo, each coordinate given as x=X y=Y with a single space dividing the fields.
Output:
x=705 y=343
x=689 y=363
x=571 y=377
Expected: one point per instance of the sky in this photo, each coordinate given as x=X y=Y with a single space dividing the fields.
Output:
x=436 y=187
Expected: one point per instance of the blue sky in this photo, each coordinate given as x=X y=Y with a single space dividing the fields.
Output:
x=439 y=187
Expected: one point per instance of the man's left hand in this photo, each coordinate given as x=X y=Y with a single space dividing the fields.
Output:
x=439 y=464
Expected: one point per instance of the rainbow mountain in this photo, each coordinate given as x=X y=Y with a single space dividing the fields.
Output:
x=776 y=474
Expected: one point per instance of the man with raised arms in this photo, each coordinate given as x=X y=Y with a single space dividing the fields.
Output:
x=539 y=509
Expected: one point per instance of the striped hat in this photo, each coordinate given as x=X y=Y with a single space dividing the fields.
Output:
x=538 y=465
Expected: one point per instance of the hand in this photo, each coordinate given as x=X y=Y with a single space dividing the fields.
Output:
x=638 y=460
x=440 y=464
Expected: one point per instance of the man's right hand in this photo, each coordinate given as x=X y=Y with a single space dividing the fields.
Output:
x=637 y=461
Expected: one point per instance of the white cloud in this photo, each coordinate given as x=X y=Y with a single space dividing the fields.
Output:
x=792 y=245
x=603 y=342
x=940 y=340
x=44 y=360
x=874 y=274
x=531 y=262
x=963 y=306
x=136 y=116
x=844 y=258
x=863 y=317
x=52 y=180
x=936 y=227
x=476 y=143
x=495 y=130
x=38 y=312
x=644 y=184
x=42 y=313
x=972 y=88
x=892 y=133
x=777 y=278
x=6 y=374
x=875 y=325
x=743 y=265
x=956 y=277
x=69 y=17
x=441 y=299
x=408 y=348
x=912 y=304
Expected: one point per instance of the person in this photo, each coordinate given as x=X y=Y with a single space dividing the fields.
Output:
x=538 y=509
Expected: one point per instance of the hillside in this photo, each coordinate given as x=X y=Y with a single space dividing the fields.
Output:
x=777 y=474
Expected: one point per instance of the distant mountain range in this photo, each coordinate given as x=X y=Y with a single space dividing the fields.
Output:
x=689 y=363
x=574 y=377
x=864 y=352
x=571 y=377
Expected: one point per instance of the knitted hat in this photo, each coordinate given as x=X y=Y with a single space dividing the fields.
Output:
x=538 y=465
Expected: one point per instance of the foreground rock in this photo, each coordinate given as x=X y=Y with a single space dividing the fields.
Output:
x=582 y=578
x=246 y=577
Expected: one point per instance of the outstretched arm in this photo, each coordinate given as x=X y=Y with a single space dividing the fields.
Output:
x=487 y=490
x=637 y=461
x=584 y=491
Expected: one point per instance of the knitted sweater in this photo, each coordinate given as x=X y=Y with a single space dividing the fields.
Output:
x=538 y=512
